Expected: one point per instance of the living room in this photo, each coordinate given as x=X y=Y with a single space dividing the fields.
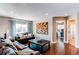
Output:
x=32 y=26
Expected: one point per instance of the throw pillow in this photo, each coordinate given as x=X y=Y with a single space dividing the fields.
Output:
x=30 y=34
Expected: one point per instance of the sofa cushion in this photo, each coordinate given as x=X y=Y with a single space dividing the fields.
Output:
x=19 y=45
x=31 y=51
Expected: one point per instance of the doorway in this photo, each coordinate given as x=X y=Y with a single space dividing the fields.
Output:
x=60 y=33
x=60 y=29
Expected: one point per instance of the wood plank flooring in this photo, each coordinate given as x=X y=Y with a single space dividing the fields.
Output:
x=67 y=50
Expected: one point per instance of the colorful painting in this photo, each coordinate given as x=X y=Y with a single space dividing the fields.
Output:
x=42 y=28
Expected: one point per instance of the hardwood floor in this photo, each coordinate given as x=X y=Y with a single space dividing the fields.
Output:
x=67 y=50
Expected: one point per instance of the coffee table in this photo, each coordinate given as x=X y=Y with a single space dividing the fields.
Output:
x=41 y=43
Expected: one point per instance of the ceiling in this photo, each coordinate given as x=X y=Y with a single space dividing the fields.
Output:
x=35 y=11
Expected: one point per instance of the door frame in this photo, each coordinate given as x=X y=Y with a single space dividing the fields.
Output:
x=65 y=18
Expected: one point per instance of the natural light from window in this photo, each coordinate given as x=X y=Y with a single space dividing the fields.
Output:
x=21 y=28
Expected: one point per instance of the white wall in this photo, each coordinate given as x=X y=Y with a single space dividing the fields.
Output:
x=4 y=26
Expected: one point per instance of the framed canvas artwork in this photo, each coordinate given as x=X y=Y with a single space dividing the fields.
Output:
x=42 y=28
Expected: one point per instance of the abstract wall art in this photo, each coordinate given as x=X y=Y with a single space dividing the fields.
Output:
x=42 y=28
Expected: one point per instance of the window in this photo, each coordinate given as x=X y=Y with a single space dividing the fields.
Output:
x=21 y=28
